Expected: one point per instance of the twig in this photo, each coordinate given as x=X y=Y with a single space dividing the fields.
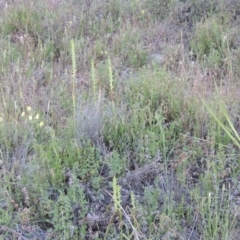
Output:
x=12 y=231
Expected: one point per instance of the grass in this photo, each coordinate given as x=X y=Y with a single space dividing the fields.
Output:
x=119 y=120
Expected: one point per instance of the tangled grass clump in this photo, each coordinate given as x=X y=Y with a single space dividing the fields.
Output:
x=98 y=140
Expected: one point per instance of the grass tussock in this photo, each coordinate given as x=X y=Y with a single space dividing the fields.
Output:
x=119 y=119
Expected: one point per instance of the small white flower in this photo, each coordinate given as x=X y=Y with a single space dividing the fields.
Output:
x=37 y=117
x=30 y=118
x=41 y=124
x=29 y=108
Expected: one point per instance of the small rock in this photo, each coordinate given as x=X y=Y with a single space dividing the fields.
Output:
x=156 y=58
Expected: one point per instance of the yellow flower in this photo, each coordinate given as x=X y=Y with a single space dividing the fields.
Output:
x=41 y=124
x=29 y=108
x=30 y=117
x=37 y=117
x=23 y=114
